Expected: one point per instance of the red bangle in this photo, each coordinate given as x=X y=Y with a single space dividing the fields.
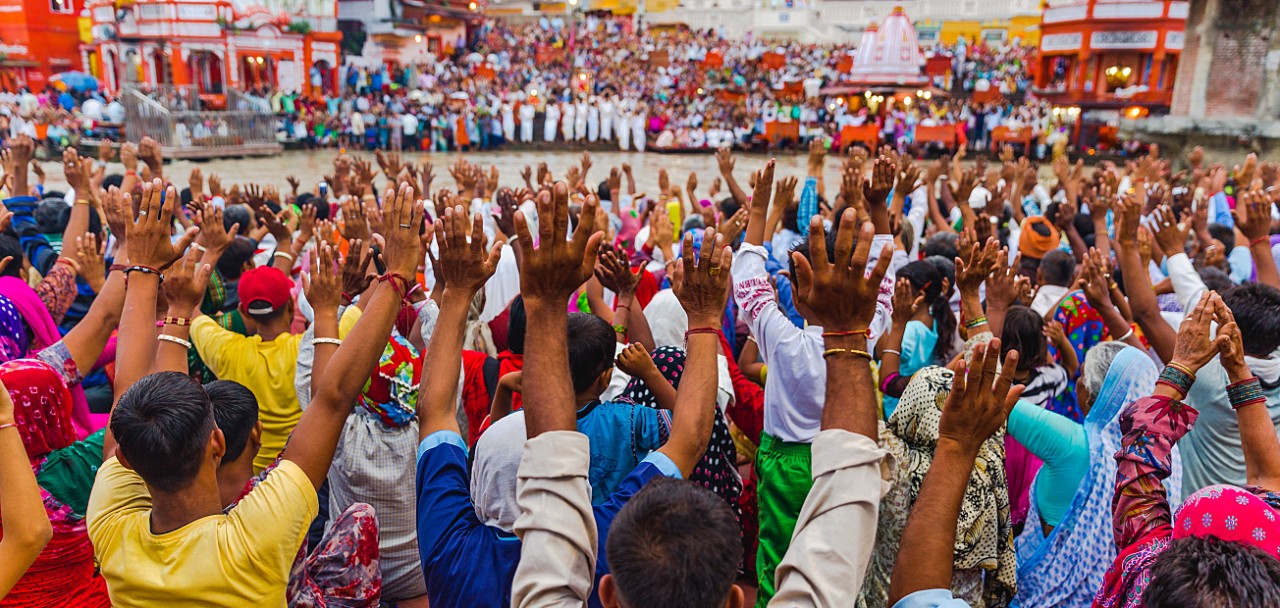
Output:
x=701 y=330
x=1259 y=240
x=116 y=268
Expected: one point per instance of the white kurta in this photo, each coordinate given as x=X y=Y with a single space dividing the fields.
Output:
x=553 y=122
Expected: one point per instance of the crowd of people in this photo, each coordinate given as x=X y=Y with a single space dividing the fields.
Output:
x=670 y=89
x=934 y=383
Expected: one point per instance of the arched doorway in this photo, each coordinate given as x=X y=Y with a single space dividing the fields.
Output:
x=205 y=68
x=161 y=68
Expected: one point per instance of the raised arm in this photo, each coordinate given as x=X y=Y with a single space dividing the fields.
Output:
x=756 y=233
x=1151 y=426
x=1137 y=283
x=724 y=158
x=977 y=407
x=1257 y=434
x=184 y=288
x=26 y=524
x=1253 y=218
x=464 y=267
x=556 y=525
x=321 y=424
x=702 y=288
x=150 y=249
x=819 y=570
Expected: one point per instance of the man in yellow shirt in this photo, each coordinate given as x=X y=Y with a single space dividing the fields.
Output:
x=155 y=518
x=263 y=361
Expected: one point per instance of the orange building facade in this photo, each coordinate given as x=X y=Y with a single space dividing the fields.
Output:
x=1110 y=53
x=214 y=45
x=38 y=38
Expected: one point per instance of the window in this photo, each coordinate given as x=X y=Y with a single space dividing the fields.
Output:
x=61 y=6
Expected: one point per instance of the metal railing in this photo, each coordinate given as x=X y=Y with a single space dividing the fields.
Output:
x=191 y=133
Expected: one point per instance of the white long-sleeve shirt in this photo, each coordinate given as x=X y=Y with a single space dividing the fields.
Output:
x=825 y=565
x=796 y=390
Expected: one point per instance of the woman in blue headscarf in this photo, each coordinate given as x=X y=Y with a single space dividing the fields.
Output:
x=1066 y=546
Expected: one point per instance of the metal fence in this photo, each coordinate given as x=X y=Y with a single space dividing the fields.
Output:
x=200 y=133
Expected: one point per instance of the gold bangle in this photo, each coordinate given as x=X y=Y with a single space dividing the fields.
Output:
x=1182 y=368
x=847 y=351
x=83 y=201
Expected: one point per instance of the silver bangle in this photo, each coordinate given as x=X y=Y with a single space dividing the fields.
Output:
x=199 y=247
x=888 y=351
x=283 y=254
x=333 y=341
x=1126 y=336
x=176 y=340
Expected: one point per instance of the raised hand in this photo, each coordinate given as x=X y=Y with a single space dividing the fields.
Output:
x=905 y=302
x=704 y=284
x=356 y=274
x=403 y=251
x=976 y=263
x=614 y=273
x=1193 y=347
x=980 y=399
x=840 y=294
x=149 y=153
x=214 y=235
x=148 y=240
x=185 y=283
x=354 y=223
x=555 y=269
x=129 y=156
x=964 y=188
x=464 y=266
x=1096 y=278
x=1253 y=214
x=725 y=161
x=90 y=255
x=324 y=286
x=876 y=192
x=1170 y=235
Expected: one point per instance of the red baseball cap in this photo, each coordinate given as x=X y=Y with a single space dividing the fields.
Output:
x=263 y=290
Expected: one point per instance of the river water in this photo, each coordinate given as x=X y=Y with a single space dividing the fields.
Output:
x=310 y=167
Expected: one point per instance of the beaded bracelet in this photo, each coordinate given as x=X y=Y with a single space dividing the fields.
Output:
x=972 y=323
x=1245 y=392
x=1176 y=378
x=846 y=351
x=176 y=340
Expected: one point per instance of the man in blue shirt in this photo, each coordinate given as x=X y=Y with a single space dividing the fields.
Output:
x=466 y=521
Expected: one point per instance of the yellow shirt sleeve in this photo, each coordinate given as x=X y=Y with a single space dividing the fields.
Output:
x=219 y=348
x=348 y=321
x=117 y=493
x=275 y=515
